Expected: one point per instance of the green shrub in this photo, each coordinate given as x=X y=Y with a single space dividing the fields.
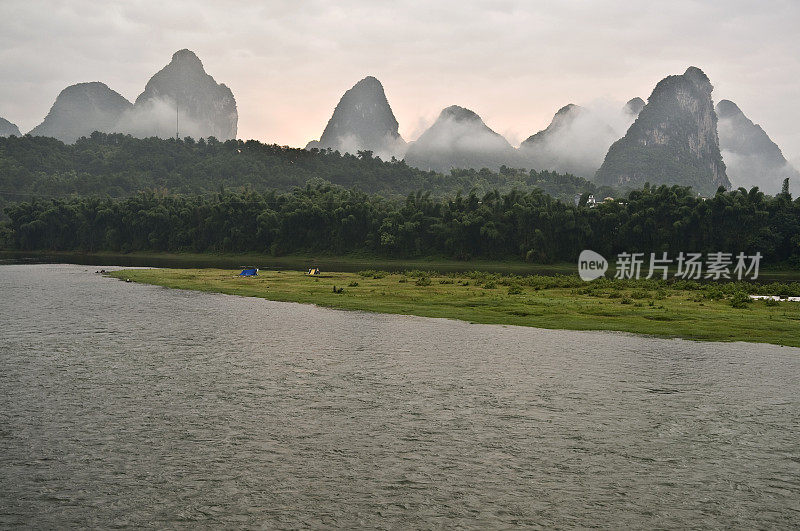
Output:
x=423 y=281
x=372 y=273
x=714 y=293
x=740 y=299
x=514 y=290
x=685 y=284
x=490 y=285
x=353 y=284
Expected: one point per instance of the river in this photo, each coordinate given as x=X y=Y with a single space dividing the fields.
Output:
x=131 y=405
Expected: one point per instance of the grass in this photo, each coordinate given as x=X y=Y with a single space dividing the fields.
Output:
x=346 y=263
x=351 y=263
x=685 y=310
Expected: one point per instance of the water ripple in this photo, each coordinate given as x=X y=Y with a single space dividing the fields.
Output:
x=126 y=405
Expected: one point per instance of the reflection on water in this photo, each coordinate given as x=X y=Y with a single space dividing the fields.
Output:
x=132 y=405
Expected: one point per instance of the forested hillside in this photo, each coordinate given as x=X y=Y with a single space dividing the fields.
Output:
x=326 y=218
x=118 y=166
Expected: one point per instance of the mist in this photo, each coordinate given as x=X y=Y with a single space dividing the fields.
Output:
x=746 y=171
x=751 y=157
x=157 y=117
x=387 y=147
x=577 y=141
x=456 y=141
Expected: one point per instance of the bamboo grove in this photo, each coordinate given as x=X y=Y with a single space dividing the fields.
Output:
x=323 y=218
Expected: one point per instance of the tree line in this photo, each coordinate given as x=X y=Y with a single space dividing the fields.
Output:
x=323 y=218
x=118 y=165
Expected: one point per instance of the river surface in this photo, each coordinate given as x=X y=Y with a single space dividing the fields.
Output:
x=132 y=405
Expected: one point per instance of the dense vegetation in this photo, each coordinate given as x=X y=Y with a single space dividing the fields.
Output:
x=325 y=218
x=117 y=165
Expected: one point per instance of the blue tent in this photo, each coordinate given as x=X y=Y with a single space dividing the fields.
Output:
x=249 y=273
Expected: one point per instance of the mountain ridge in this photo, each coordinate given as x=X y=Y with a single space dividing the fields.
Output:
x=183 y=90
x=81 y=109
x=673 y=140
x=751 y=156
x=362 y=121
x=8 y=129
x=577 y=138
x=459 y=138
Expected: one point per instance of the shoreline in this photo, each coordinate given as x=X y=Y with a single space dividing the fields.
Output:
x=340 y=263
x=344 y=263
x=561 y=303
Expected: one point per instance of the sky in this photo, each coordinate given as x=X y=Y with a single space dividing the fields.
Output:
x=513 y=62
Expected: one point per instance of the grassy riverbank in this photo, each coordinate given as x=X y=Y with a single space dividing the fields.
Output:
x=350 y=263
x=683 y=309
x=346 y=263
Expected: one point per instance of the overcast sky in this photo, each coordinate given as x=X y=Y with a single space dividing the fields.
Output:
x=513 y=62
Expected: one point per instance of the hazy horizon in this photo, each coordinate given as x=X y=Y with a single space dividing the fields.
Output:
x=514 y=63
